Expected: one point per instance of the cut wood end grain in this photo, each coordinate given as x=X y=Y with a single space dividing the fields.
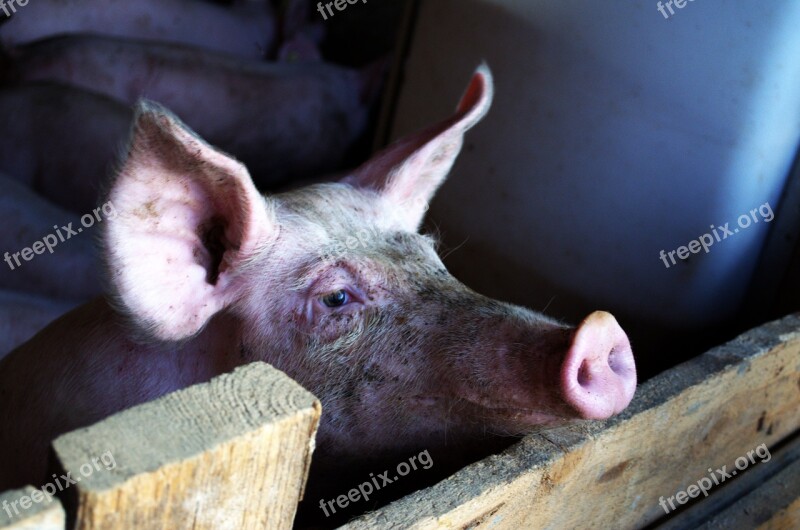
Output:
x=230 y=453
x=47 y=514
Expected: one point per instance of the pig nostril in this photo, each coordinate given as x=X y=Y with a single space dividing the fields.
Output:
x=584 y=374
x=613 y=362
x=619 y=360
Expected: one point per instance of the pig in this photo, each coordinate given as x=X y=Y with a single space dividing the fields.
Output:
x=282 y=120
x=22 y=315
x=60 y=263
x=246 y=29
x=60 y=141
x=300 y=36
x=299 y=48
x=331 y=283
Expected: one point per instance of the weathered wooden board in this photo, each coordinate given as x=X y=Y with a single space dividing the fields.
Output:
x=702 y=414
x=230 y=453
x=774 y=505
x=746 y=485
x=36 y=512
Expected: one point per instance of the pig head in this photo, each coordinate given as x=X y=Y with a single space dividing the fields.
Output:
x=333 y=284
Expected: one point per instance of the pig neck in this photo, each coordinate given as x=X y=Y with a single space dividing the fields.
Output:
x=214 y=351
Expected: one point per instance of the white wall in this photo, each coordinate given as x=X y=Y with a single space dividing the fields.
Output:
x=615 y=133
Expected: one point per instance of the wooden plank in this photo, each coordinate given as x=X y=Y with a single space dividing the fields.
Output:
x=702 y=414
x=774 y=505
x=30 y=509
x=728 y=494
x=787 y=518
x=230 y=453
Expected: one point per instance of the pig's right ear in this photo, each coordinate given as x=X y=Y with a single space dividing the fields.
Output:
x=409 y=172
x=188 y=217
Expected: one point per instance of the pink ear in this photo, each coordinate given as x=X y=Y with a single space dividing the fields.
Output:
x=188 y=216
x=409 y=172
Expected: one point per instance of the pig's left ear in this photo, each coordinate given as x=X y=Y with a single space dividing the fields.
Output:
x=188 y=217
x=409 y=172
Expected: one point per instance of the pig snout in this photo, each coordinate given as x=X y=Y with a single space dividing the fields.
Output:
x=598 y=374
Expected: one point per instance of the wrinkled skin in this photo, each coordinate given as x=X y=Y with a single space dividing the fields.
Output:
x=69 y=271
x=281 y=120
x=208 y=274
x=23 y=315
x=61 y=141
x=246 y=29
x=300 y=118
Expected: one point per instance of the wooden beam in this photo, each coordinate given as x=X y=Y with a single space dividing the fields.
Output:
x=735 y=491
x=775 y=504
x=230 y=453
x=29 y=509
x=702 y=414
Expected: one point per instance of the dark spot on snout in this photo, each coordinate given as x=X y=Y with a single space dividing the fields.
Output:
x=760 y=426
x=348 y=393
x=372 y=374
x=614 y=472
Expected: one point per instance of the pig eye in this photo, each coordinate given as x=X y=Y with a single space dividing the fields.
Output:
x=336 y=298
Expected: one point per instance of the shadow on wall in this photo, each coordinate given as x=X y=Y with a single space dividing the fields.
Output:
x=604 y=147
